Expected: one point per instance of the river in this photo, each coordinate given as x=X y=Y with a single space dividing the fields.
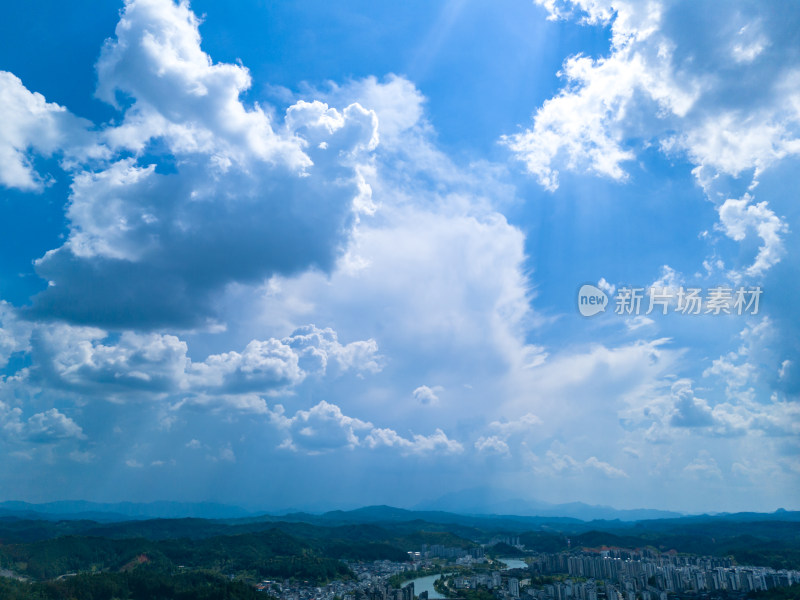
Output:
x=513 y=563
x=425 y=584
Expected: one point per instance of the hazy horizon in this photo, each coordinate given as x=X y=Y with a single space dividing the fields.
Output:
x=208 y=509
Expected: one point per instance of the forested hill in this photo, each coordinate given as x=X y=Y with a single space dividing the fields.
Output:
x=270 y=553
x=765 y=540
x=132 y=555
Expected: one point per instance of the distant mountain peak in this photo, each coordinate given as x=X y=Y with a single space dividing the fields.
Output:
x=487 y=501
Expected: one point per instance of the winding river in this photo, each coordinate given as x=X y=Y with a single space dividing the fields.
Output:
x=425 y=584
x=513 y=563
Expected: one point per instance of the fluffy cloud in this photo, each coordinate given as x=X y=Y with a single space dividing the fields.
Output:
x=51 y=425
x=491 y=444
x=670 y=71
x=14 y=333
x=739 y=217
x=667 y=410
x=76 y=358
x=740 y=369
x=263 y=365
x=605 y=468
x=89 y=360
x=48 y=427
x=322 y=349
x=245 y=197
x=522 y=424
x=32 y=126
x=564 y=463
x=572 y=127
x=458 y=320
x=592 y=378
x=206 y=227
x=734 y=372
x=269 y=364
x=689 y=410
x=703 y=466
x=584 y=126
x=503 y=432
x=180 y=95
x=706 y=85
x=437 y=442
x=427 y=395
x=472 y=302
x=324 y=427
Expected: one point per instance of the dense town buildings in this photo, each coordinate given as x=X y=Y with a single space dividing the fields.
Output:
x=612 y=574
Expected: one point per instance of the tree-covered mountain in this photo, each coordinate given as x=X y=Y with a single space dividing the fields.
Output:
x=129 y=556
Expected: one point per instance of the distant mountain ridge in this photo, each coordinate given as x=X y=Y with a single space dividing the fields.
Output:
x=466 y=508
x=119 y=511
x=486 y=500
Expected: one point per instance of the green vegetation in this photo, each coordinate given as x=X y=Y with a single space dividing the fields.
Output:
x=766 y=543
x=540 y=580
x=540 y=541
x=162 y=559
x=479 y=594
x=144 y=583
x=266 y=554
x=769 y=542
x=782 y=593
x=503 y=549
x=777 y=558
x=440 y=586
x=414 y=540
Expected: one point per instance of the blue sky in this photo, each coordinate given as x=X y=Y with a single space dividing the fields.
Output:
x=327 y=255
